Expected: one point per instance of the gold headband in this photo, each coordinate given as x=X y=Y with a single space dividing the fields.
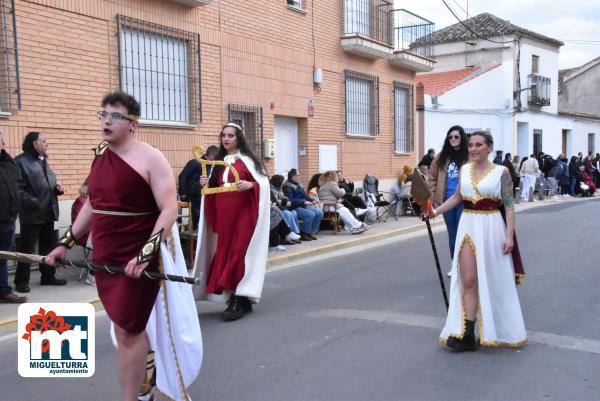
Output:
x=235 y=126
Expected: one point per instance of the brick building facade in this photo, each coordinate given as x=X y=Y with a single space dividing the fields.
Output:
x=194 y=64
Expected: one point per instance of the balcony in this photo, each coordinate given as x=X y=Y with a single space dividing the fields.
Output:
x=539 y=94
x=373 y=29
x=368 y=28
x=192 y=3
x=411 y=47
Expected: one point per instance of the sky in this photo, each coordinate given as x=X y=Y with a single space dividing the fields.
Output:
x=559 y=19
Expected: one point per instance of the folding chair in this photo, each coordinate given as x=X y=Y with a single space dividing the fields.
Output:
x=383 y=207
x=331 y=215
x=185 y=224
x=405 y=197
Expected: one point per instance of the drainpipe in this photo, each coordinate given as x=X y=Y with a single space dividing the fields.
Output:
x=420 y=108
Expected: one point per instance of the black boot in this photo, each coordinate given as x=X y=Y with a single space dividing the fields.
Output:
x=237 y=307
x=467 y=343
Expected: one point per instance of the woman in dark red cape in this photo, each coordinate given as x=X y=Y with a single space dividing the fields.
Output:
x=233 y=230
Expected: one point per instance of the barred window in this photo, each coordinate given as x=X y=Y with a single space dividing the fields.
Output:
x=404 y=138
x=160 y=67
x=362 y=103
x=10 y=93
x=250 y=118
x=295 y=3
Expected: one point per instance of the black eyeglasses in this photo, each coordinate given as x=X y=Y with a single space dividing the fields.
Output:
x=115 y=117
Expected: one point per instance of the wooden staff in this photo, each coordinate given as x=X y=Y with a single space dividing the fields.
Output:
x=28 y=258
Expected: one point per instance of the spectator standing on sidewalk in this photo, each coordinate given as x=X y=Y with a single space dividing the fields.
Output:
x=553 y=176
x=37 y=223
x=427 y=159
x=511 y=169
x=574 y=176
x=443 y=177
x=529 y=171
x=10 y=199
x=498 y=158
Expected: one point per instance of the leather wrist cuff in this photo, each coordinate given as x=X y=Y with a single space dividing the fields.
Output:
x=68 y=239
x=150 y=248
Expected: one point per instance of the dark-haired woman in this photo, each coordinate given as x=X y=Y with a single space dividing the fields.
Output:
x=487 y=265
x=233 y=231
x=443 y=177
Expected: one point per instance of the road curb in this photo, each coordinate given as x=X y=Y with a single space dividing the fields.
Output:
x=275 y=261
x=278 y=260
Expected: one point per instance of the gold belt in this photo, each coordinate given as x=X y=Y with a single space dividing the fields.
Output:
x=117 y=213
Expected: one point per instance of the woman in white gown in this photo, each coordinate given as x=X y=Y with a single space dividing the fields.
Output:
x=486 y=286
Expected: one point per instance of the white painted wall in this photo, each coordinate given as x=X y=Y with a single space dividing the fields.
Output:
x=547 y=67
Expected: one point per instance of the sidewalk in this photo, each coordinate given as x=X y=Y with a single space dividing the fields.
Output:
x=78 y=291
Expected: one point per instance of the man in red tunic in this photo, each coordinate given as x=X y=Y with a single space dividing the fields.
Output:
x=132 y=196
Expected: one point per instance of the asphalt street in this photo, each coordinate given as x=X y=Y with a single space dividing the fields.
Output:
x=364 y=326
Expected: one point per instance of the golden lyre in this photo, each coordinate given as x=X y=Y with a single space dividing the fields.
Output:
x=198 y=152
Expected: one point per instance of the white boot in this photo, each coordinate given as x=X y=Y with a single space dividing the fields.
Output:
x=292 y=236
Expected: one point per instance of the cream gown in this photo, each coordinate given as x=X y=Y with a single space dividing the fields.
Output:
x=499 y=316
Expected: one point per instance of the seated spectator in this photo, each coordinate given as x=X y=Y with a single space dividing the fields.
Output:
x=313 y=186
x=300 y=202
x=587 y=179
x=279 y=230
x=331 y=193
x=354 y=203
x=283 y=203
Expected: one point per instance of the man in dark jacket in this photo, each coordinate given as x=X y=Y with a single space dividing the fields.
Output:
x=10 y=199
x=511 y=169
x=189 y=182
x=37 y=223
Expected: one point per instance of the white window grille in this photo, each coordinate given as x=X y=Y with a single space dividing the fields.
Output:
x=404 y=138
x=160 y=67
x=362 y=103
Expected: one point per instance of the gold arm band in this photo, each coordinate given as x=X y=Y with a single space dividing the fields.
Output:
x=68 y=239
x=150 y=248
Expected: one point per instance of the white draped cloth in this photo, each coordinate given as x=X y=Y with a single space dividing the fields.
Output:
x=499 y=319
x=173 y=328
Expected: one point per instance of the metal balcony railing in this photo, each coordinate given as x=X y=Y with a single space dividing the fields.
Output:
x=539 y=94
x=411 y=33
x=369 y=18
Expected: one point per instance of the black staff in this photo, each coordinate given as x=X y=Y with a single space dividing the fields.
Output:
x=421 y=194
x=28 y=258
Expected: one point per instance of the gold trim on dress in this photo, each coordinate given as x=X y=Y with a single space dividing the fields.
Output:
x=475 y=182
x=473 y=211
x=101 y=148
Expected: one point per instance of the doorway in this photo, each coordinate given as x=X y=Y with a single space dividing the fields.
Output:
x=286 y=145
